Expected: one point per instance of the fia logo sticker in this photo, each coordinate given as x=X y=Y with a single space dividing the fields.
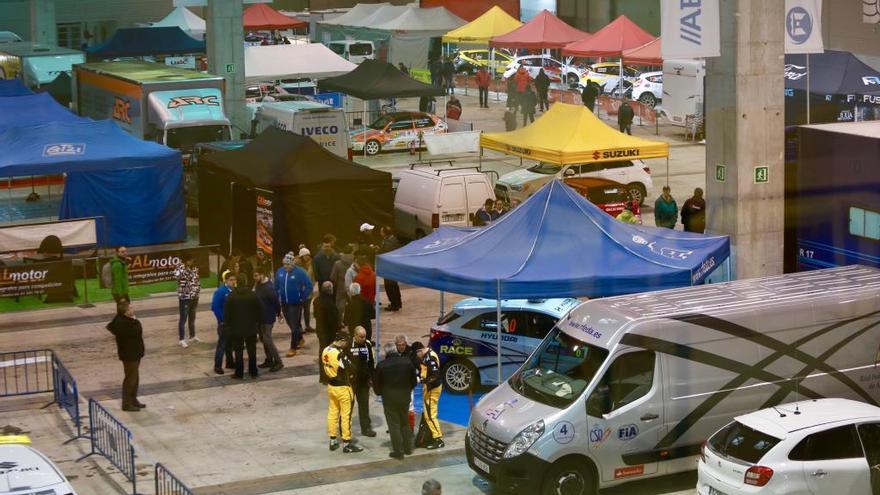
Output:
x=627 y=432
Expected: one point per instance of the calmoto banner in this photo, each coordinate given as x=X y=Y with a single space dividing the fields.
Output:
x=690 y=28
x=158 y=266
x=803 y=26
x=35 y=279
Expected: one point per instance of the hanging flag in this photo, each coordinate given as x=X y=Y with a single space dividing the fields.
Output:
x=690 y=28
x=803 y=26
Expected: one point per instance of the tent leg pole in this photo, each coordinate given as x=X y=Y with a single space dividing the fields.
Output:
x=442 y=304
x=378 y=304
x=667 y=170
x=498 y=327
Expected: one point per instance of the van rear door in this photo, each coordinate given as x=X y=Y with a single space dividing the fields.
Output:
x=453 y=202
x=477 y=192
x=326 y=126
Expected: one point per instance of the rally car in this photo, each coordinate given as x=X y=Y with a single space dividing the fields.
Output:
x=554 y=69
x=396 y=131
x=470 y=61
x=605 y=72
x=25 y=471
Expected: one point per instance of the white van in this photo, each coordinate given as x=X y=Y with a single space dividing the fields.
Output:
x=323 y=123
x=427 y=198
x=682 y=89
x=355 y=51
x=629 y=387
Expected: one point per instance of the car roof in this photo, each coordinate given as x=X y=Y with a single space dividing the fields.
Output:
x=808 y=414
x=556 y=307
x=25 y=467
x=437 y=173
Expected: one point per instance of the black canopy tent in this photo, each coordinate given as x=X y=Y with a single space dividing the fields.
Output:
x=139 y=42
x=313 y=192
x=60 y=89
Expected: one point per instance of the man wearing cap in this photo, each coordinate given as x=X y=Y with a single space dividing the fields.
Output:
x=293 y=286
x=337 y=365
x=366 y=244
x=432 y=386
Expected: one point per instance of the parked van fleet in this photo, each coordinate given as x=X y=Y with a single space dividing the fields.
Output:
x=427 y=198
x=355 y=51
x=323 y=123
x=36 y=64
x=682 y=89
x=521 y=184
x=629 y=387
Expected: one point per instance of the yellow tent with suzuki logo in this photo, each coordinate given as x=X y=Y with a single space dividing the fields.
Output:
x=494 y=22
x=572 y=134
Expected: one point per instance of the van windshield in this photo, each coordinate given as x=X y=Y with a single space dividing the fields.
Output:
x=338 y=48
x=559 y=370
x=545 y=168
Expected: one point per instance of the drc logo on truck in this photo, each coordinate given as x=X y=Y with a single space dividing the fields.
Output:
x=64 y=149
x=122 y=110
x=183 y=101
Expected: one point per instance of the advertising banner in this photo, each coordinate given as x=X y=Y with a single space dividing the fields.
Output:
x=334 y=99
x=803 y=26
x=34 y=279
x=184 y=62
x=147 y=268
x=690 y=29
x=265 y=221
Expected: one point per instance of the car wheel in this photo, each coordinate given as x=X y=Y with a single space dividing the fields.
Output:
x=569 y=477
x=572 y=79
x=373 y=147
x=648 y=98
x=637 y=191
x=460 y=376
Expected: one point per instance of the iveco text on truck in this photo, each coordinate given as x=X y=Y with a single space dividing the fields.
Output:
x=175 y=107
x=36 y=64
x=323 y=123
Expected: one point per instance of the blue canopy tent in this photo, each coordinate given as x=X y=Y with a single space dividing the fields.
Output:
x=13 y=87
x=139 y=42
x=556 y=244
x=33 y=109
x=137 y=186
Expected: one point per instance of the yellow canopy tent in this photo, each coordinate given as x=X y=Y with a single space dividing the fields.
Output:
x=572 y=134
x=494 y=22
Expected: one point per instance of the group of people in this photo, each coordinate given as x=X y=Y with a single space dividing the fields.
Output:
x=693 y=212
x=527 y=96
x=492 y=210
x=442 y=71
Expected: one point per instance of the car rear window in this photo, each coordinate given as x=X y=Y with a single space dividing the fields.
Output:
x=738 y=441
x=448 y=317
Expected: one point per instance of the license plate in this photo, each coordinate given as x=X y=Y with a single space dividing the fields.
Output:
x=483 y=465
x=715 y=491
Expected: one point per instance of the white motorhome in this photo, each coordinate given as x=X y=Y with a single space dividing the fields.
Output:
x=683 y=83
x=323 y=123
x=629 y=387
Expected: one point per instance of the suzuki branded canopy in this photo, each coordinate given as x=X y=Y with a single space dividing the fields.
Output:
x=375 y=79
x=494 y=22
x=572 y=134
x=183 y=18
x=143 y=41
x=136 y=185
x=647 y=54
x=556 y=244
x=610 y=41
x=314 y=60
x=13 y=87
x=33 y=109
x=545 y=30
x=260 y=16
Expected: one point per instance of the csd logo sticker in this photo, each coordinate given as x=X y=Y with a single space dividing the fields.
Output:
x=64 y=149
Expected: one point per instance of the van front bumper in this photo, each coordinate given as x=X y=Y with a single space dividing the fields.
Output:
x=521 y=474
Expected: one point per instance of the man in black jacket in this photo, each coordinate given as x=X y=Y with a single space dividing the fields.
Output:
x=542 y=87
x=363 y=361
x=527 y=102
x=242 y=316
x=392 y=288
x=625 y=117
x=130 y=347
x=589 y=95
x=394 y=380
x=326 y=320
x=358 y=312
x=270 y=307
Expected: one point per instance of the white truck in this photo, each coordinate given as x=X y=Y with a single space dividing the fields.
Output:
x=323 y=123
x=683 y=87
x=629 y=387
x=36 y=64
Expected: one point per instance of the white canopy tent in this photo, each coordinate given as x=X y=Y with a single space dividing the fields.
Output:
x=418 y=19
x=313 y=60
x=385 y=14
x=356 y=13
x=182 y=17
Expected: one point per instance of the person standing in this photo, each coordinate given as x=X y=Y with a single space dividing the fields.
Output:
x=436 y=68
x=270 y=311
x=665 y=210
x=326 y=318
x=322 y=264
x=449 y=75
x=188 y=288
x=129 y=335
x=693 y=213
x=512 y=96
x=244 y=273
x=358 y=313
x=119 y=274
x=304 y=260
x=336 y=366
x=293 y=285
x=366 y=277
x=522 y=80
x=625 y=116
x=432 y=382
x=484 y=214
x=527 y=102
x=392 y=288
x=218 y=306
x=589 y=95
x=337 y=276
x=242 y=315
x=542 y=88
x=483 y=81
x=394 y=380
x=363 y=362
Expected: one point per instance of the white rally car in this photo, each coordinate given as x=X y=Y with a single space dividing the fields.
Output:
x=557 y=71
x=25 y=471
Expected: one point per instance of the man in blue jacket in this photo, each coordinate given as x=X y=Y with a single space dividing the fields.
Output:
x=293 y=286
x=218 y=305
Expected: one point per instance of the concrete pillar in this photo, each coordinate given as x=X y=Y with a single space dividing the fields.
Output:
x=599 y=14
x=43 y=29
x=225 y=39
x=744 y=128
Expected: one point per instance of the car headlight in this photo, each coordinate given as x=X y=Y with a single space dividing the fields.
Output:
x=525 y=439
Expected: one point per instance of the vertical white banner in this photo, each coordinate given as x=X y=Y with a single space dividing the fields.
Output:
x=690 y=28
x=803 y=26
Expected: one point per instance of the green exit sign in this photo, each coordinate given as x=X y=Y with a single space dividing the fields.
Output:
x=720 y=172
x=762 y=175
x=230 y=68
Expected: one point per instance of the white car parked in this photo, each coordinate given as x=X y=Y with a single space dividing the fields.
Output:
x=25 y=471
x=813 y=447
x=557 y=71
x=648 y=88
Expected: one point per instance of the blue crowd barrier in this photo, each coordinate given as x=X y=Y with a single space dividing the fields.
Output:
x=67 y=393
x=113 y=440
x=168 y=484
x=26 y=372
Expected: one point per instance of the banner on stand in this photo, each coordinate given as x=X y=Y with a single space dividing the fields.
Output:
x=35 y=279
x=803 y=26
x=265 y=221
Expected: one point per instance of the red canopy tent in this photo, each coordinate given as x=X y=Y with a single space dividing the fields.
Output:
x=610 y=41
x=260 y=16
x=648 y=54
x=544 y=31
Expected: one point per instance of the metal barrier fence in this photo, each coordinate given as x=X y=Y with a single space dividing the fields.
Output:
x=26 y=372
x=113 y=440
x=168 y=484
x=67 y=393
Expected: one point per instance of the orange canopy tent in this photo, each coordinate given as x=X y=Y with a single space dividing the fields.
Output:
x=648 y=54
x=610 y=41
x=260 y=16
x=545 y=30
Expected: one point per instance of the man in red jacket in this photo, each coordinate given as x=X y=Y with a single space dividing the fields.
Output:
x=366 y=277
x=522 y=79
x=483 y=80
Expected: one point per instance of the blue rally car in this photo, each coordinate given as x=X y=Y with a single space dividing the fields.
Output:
x=466 y=338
